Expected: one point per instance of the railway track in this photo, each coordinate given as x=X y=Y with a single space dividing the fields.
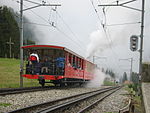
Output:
x=70 y=104
x=8 y=91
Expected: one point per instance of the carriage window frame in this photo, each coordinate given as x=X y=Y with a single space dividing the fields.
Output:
x=70 y=58
x=73 y=60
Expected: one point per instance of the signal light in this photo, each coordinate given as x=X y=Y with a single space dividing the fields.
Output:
x=134 y=43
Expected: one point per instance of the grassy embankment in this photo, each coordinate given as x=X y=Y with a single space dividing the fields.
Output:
x=108 y=83
x=136 y=98
x=9 y=74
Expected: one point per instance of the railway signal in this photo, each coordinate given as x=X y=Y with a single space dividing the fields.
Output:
x=134 y=43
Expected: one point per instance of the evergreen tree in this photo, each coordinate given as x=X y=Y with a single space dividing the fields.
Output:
x=9 y=28
x=134 y=78
x=124 y=78
x=110 y=73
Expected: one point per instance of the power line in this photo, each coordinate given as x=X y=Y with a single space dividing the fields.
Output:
x=103 y=26
x=52 y=26
x=110 y=42
x=126 y=7
x=123 y=24
x=46 y=25
x=81 y=44
x=56 y=28
x=69 y=28
x=96 y=12
x=32 y=2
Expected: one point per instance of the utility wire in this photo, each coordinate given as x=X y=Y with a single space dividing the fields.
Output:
x=32 y=2
x=69 y=28
x=59 y=29
x=46 y=25
x=104 y=28
x=54 y=27
x=81 y=43
x=107 y=32
x=123 y=24
x=96 y=12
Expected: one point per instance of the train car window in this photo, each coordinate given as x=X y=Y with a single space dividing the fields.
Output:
x=70 y=58
x=74 y=61
x=79 y=63
x=82 y=63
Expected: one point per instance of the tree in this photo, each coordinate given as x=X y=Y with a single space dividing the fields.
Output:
x=110 y=73
x=124 y=78
x=9 y=28
x=145 y=72
x=134 y=78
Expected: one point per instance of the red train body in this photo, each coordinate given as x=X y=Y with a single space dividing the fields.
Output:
x=72 y=69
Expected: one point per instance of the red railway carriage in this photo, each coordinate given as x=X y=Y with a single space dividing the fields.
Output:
x=57 y=64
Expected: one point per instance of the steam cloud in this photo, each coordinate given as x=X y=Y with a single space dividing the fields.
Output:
x=98 y=79
x=98 y=42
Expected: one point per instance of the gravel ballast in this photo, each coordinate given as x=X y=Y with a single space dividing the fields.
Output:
x=113 y=103
x=17 y=101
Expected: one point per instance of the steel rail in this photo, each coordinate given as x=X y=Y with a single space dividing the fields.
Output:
x=8 y=91
x=71 y=102
x=96 y=102
x=50 y=103
x=21 y=90
x=126 y=108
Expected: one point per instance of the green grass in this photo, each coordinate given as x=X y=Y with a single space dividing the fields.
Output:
x=136 y=98
x=108 y=83
x=10 y=75
x=110 y=112
x=5 y=104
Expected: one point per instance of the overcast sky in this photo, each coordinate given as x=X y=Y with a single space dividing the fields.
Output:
x=78 y=27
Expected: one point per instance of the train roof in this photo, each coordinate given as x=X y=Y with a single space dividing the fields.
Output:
x=51 y=46
x=43 y=46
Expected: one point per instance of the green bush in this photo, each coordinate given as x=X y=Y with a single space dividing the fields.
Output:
x=134 y=87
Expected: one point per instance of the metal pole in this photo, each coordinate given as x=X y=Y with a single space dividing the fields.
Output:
x=21 y=36
x=21 y=43
x=131 y=67
x=142 y=32
x=10 y=47
x=93 y=60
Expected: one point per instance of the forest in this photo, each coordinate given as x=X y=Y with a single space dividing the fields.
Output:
x=10 y=35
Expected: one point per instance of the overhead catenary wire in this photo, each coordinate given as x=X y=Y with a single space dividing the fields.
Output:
x=32 y=2
x=81 y=43
x=110 y=42
x=39 y=24
x=96 y=12
x=70 y=38
x=118 y=25
x=123 y=24
x=48 y=25
x=75 y=36
x=71 y=30
x=58 y=30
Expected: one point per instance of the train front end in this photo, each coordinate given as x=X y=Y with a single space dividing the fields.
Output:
x=44 y=63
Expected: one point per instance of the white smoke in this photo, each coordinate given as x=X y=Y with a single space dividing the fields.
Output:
x=98 y=42
x=98 y=79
